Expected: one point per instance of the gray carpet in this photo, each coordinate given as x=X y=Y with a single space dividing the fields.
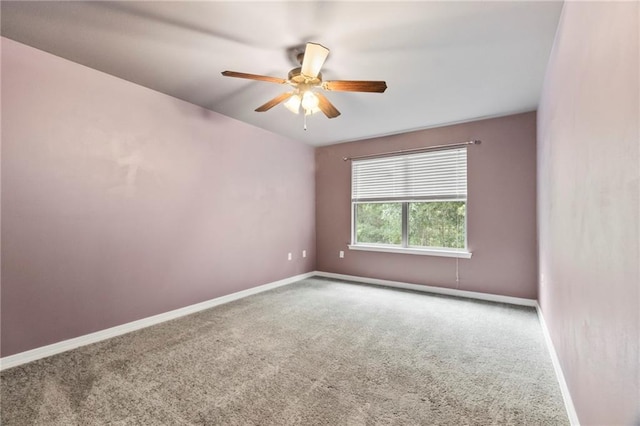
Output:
x=318 y=352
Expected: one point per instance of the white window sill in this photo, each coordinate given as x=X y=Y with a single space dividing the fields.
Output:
x=424 y=252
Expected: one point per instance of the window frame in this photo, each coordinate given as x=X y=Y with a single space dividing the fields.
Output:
x=404 y=247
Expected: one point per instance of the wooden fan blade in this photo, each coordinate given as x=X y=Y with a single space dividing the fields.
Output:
x=314 y=57
x=273 y=102
x=254 y=77
x=327 y=107
x=355 y=86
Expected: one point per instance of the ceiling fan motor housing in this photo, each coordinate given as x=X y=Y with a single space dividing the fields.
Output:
x=296 y=76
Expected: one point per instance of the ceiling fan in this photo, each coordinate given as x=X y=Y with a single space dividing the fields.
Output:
x=306 y=81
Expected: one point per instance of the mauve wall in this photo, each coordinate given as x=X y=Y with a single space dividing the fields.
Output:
x=119 y=202
x=588 y=206
x=501 y=210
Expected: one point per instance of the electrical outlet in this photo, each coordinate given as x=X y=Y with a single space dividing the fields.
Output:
x=289 y=257
x=304 y=253
x=341 y=254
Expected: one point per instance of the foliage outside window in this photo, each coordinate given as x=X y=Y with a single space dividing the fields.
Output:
x=411 y=201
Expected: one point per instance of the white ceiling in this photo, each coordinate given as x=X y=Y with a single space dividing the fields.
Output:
x=444 y=62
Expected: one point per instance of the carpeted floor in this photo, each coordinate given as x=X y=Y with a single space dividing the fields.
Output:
x=318 y=352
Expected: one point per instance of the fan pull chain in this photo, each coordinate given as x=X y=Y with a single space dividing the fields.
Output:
x=305 y=120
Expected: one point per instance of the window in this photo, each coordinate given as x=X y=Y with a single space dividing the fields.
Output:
x=415 y=203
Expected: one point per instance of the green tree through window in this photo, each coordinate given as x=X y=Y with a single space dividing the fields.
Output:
x=430 y=224
x=437 y=224
x=379 y=223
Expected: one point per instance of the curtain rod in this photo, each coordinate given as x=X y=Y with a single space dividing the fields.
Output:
x=423 y=149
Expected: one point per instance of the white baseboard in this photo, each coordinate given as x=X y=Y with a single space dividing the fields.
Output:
x=87 y=339
x=430 y=289
x=564 y=389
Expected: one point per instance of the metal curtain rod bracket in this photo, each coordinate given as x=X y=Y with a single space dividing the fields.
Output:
x=423 y=149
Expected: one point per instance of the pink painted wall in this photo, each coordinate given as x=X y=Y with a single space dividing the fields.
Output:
x=501 y=210
x=119 y=202
x=589 y=208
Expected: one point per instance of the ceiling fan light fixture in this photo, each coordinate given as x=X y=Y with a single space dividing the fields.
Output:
x=293 y=104
x=309 y=101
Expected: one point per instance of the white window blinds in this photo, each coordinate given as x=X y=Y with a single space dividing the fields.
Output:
x=435 y=175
